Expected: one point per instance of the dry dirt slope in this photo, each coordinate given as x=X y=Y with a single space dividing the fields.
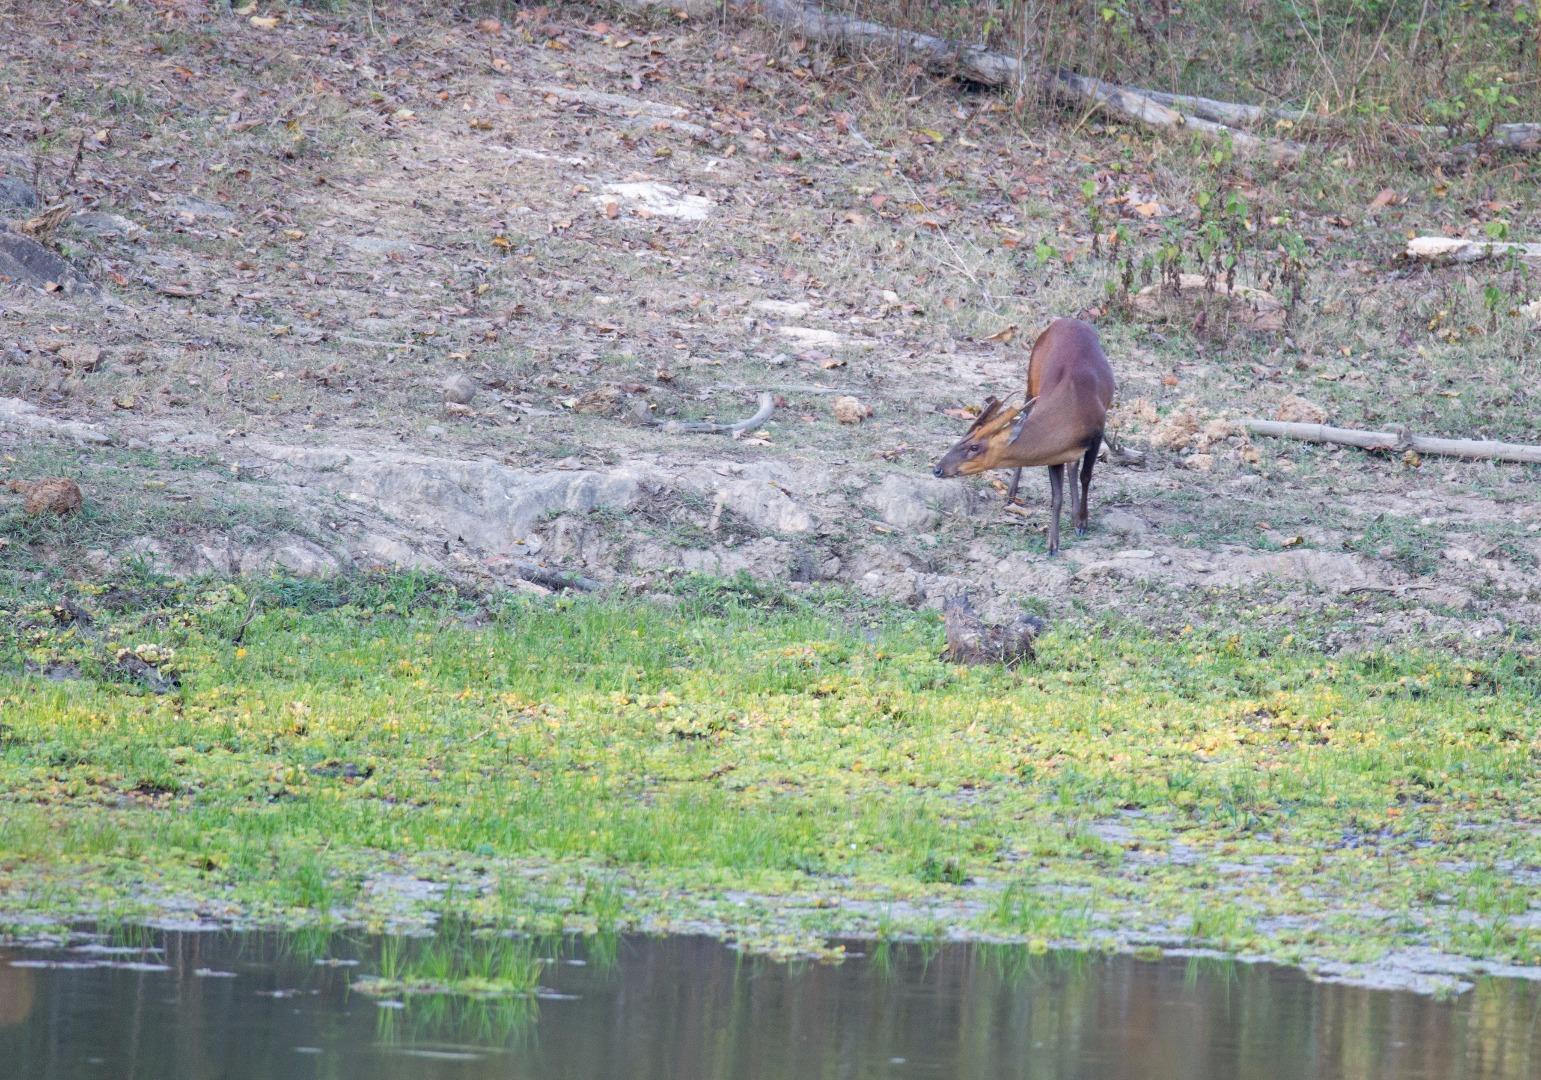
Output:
x=302 y=230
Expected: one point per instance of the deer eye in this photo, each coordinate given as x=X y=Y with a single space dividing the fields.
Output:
x=975 y=448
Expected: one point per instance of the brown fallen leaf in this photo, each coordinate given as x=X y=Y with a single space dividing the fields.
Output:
x=960 y=414
x=178 y=290
x=490 y=26
x=81 y=358
x=265 y=22
x=1384 y=197
x=830 y=362
x=1004 y=335
x=42 y=227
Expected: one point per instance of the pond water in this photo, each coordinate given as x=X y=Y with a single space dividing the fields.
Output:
x=190 y=1006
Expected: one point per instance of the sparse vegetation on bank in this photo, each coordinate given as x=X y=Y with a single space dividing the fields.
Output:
x=777 y=767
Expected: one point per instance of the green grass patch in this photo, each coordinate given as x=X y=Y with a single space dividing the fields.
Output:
x=590 y=763
x=454 y=962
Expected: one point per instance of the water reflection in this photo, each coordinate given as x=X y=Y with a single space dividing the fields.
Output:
x=250 y=1006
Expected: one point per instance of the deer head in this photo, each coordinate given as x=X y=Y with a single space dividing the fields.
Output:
x=992 y=431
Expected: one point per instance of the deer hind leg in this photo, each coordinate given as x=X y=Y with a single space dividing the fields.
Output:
x=1011 y=492
x=1056 y=499
x=1086 y=483
x=1073 y=488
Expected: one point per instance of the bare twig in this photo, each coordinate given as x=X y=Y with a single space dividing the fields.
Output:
x=762 y=414
x=80 y=148
x=240 y=631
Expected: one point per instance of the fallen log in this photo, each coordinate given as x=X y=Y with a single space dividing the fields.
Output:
x=1471 y=449
x=977 y=64
x=1155 y=108
x=1221 y=112
x=1141 y=108
x=1455 y=249
x=1523 y=136
x=556 y=580
x=972 y=62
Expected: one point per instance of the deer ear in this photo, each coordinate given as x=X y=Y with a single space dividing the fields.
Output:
x=1021 y=422
x=986 y=414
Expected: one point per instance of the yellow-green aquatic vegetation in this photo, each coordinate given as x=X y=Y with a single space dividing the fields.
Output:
x=1244 y=791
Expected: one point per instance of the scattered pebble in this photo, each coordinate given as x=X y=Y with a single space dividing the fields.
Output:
x=459 y=389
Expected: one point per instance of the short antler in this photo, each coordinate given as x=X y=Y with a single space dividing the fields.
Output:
x=995 y=415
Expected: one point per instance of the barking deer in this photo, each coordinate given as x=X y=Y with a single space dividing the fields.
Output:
x=1069 y=388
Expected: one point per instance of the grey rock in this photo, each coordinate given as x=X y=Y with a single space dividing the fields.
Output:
x=194 y=207
x=1123 y=523
x=97 y=223
x=24 y=261
x=916 y=502
x=22 y=416
x=379 y=549
x=1329 y=571
x=217 y=558
x=902 y=586
x=16 y=194
x=304 y=558
x=459 y=389
x=575 y=539
x=763 y=559
x=489 y=506
x=758 y=492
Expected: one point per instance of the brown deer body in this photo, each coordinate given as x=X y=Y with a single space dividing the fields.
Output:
x=1069 y=388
